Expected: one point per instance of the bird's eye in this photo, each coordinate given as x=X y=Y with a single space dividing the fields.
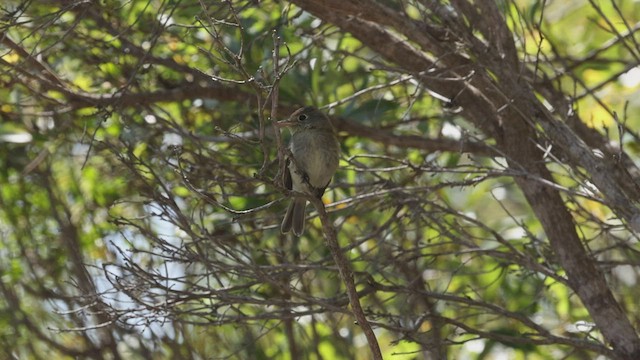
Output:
x=302 y=117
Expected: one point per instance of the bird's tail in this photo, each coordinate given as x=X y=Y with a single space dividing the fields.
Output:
x=294 y=217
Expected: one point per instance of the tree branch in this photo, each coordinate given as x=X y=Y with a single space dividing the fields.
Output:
x=346 y=274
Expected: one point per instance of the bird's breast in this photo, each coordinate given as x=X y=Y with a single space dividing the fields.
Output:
x=317 y=153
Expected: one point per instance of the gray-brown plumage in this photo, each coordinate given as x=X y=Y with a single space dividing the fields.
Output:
x=316 y=153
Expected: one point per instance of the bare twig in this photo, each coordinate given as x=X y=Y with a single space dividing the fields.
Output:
x=346 y=274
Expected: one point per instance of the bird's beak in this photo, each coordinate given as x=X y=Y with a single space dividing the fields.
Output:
x=285 y=123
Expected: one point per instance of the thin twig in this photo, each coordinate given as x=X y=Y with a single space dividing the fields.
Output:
x=344 y=267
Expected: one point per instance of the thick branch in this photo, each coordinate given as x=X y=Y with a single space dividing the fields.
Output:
x=414 y=141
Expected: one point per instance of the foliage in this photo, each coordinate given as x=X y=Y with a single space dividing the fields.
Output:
x=140 y=193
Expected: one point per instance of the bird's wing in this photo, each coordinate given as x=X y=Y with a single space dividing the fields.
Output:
x=288 y=184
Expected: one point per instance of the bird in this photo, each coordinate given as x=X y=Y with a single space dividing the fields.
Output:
x=315 y=153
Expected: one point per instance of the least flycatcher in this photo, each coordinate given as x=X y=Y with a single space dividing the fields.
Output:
x=316 y=152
